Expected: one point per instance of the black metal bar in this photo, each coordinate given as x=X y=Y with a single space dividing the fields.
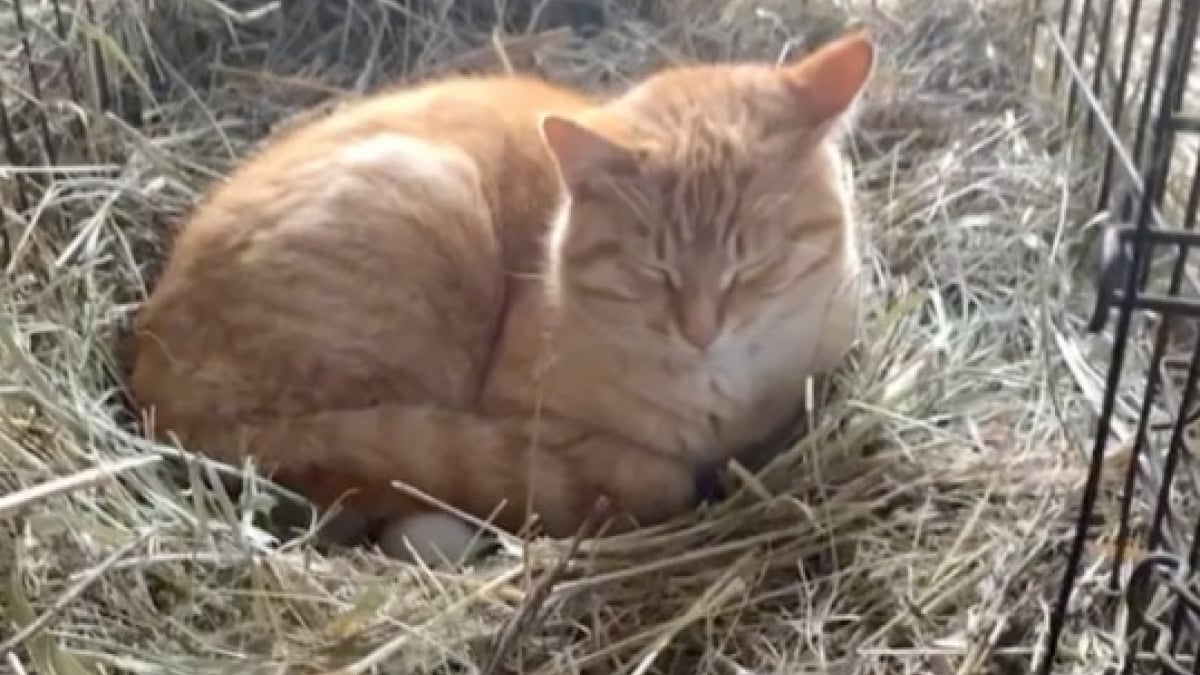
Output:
x=1080 y=39
x=12 y=153
x=1193 y=552
x=1143 y=123
x=1064 y=17
x=1185 y=238
x=1091 y=484
x=1135 y=12
x=1176 y=448
x=1159 y=235
x=1164 y=305
x=1104 y=41
x=1139 y=446
x=6 y=251
x=1140 y=577
x=1157 y=358
x=1185 y=123
x=1190 y=211
x=1163 y=145
x=1176 y=85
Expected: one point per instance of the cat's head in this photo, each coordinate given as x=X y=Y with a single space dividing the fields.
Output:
x=707 y=197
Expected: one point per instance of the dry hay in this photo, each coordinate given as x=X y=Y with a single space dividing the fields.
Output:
x=919 y=527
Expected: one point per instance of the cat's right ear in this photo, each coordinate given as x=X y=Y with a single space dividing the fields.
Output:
x=583 y=155
x=829 y=81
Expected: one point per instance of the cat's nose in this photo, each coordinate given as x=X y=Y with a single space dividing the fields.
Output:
x=699 y=336
x=699 y=322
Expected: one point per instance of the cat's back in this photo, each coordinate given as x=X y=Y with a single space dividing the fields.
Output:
x=486 y=117
x=478 y=114
x=403 y=208
x=468 y=132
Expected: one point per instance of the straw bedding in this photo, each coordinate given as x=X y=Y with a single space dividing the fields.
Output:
x=920 y=526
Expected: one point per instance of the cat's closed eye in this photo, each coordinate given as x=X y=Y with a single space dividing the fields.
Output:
x=659 y=272
x=755 y=269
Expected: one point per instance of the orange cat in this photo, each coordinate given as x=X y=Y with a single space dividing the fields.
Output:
x=506 y=294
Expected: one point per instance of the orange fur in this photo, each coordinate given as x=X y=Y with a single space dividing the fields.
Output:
x=498 y=290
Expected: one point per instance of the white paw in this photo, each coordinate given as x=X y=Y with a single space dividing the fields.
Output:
x=432 y=537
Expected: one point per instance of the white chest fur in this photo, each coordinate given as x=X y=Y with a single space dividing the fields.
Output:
x=702 y=406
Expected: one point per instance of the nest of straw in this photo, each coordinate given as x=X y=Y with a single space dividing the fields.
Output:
x=919 y=526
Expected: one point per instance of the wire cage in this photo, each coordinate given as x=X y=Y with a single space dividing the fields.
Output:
x=1127 y=75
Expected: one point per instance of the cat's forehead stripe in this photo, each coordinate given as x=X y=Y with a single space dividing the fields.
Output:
x=704 y=187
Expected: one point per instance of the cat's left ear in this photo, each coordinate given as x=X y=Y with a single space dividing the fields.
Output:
x=584 y=155
x=828 y=81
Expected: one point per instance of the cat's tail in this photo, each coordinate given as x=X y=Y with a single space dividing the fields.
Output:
x=497 y=469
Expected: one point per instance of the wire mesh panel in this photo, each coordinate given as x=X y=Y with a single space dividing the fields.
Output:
x=1128 y=76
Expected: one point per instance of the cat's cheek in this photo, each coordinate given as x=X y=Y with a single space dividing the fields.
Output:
x=796 y=283
x=740 y=322
x=745 y=304
x=659 y=323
